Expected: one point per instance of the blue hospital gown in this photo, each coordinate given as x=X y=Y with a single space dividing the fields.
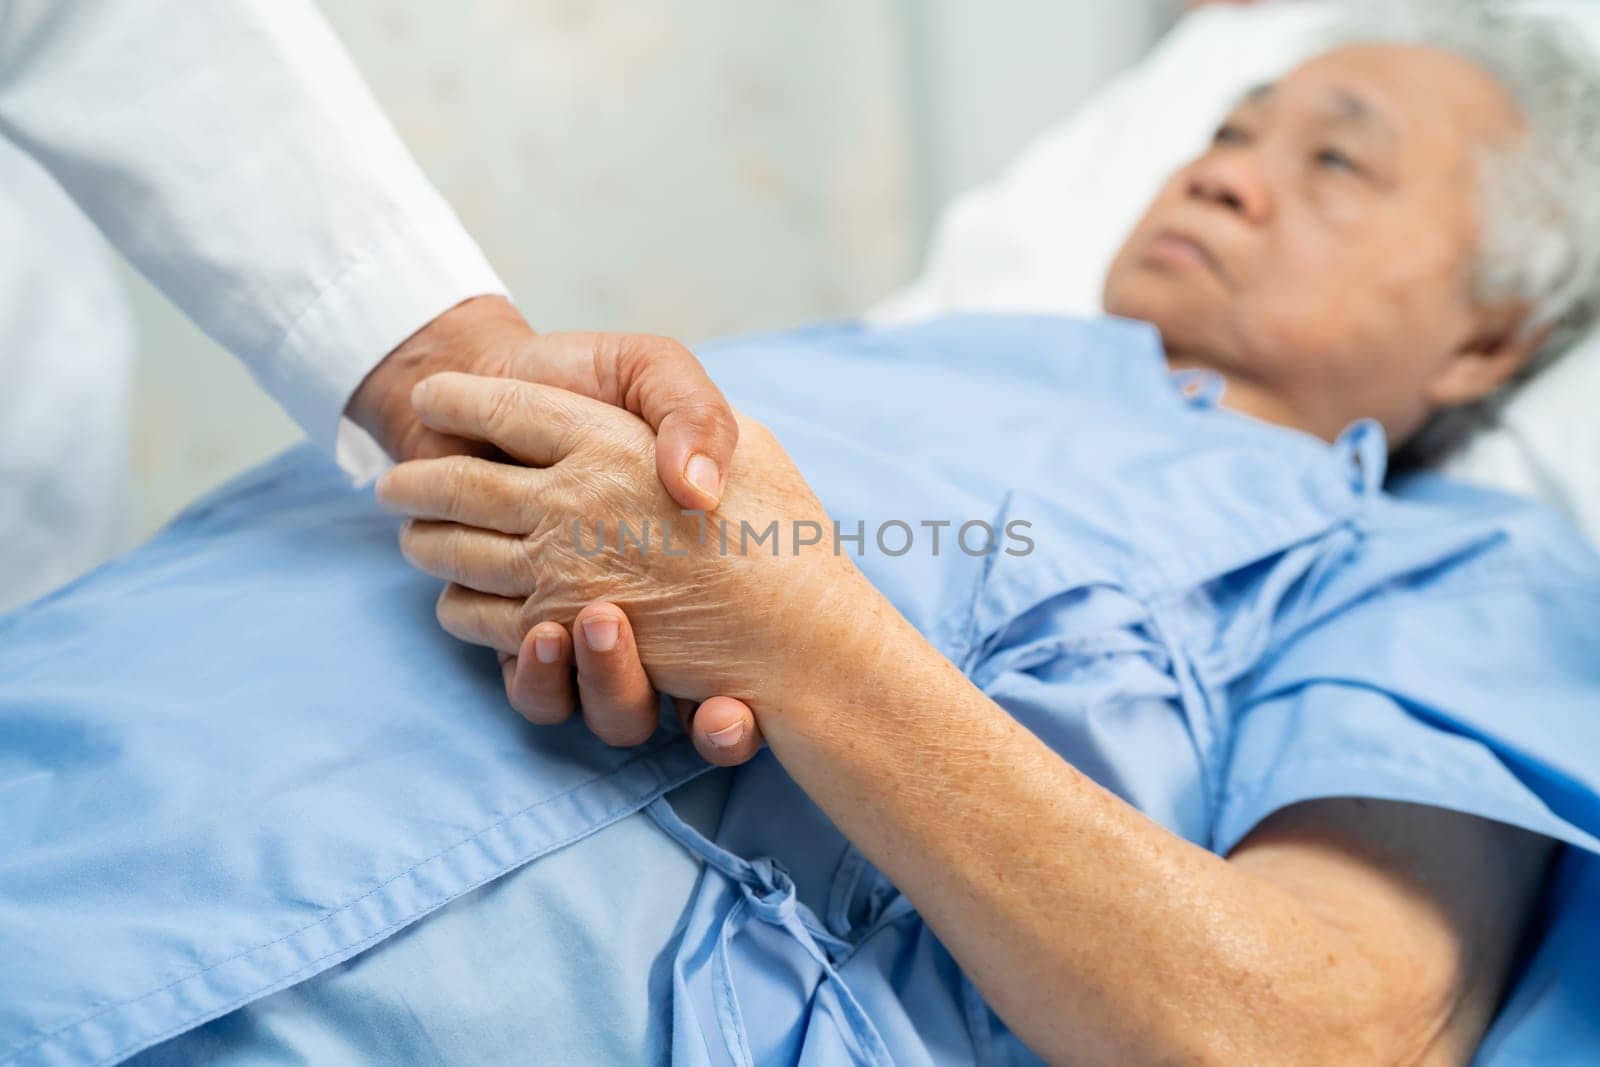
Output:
x=243 y=754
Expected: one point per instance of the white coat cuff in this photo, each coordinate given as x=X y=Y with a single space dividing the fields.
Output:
x=425 y=266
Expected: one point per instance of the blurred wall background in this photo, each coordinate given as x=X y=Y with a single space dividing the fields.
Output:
x=686 y=167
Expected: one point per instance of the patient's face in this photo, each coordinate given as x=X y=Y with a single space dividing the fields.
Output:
x=1319 y=252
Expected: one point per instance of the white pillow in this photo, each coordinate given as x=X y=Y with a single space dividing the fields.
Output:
x=1040 y=237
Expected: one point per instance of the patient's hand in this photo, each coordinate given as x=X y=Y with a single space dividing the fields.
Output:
x=520 y=546
x=653 y=377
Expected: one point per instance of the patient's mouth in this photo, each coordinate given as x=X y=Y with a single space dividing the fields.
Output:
x=1179 y=249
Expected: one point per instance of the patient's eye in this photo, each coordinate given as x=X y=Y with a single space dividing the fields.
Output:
x=1231 y=133
x=1334 y=159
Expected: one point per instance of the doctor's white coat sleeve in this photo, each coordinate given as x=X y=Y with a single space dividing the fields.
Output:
x=231 y=151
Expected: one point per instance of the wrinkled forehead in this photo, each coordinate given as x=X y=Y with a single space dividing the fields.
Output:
x=1417 y=96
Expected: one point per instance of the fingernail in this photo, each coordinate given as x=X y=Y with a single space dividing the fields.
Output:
x=703 y=474
x=728 y=736
x=547 y=647
x=601 y=633
x=419 y=392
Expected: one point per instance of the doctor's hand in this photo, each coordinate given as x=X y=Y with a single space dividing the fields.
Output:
x=656 y=379
x=541 y=573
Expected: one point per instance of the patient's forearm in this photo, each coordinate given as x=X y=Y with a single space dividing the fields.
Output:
x=1098 y=935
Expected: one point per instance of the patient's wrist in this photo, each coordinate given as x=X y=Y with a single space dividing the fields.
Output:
x=480 y=335
x=853 y=647
x=872 y=696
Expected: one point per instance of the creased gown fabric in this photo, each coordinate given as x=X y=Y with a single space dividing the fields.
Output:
x=244 y=753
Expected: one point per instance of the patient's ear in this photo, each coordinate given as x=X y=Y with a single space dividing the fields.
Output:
x=1490 y=357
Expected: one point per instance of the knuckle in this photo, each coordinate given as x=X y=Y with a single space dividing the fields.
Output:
x=647 y=348
x=477 y=619
x=567 y=420
x=634 y=459
x=608 y=354
x=508 y=405
x=507 y=495
x=457 y=472
x=525 y=565
x=693 y=389
x=644 y=360
x=485 y=492
x=506 y=631
x=455 y=550
x=706 y=414
x=674 y=353
x=527 y=616
x=595 y=493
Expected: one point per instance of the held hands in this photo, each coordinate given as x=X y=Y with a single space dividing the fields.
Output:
x=655 y=378
x=542 y=572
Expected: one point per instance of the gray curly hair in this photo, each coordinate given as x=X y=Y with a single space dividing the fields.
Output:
x=1539 y=236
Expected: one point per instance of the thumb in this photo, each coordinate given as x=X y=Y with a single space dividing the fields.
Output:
x=658 y=380
x=696 y=433
x=724 y=730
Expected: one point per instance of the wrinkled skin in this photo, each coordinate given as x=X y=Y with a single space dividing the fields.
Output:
x=1319 y=252
x=706 y=622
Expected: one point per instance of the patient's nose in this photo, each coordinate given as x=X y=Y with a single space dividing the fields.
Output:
x=1234 y=181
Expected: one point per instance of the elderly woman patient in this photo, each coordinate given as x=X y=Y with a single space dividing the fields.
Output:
x=1098 y=691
